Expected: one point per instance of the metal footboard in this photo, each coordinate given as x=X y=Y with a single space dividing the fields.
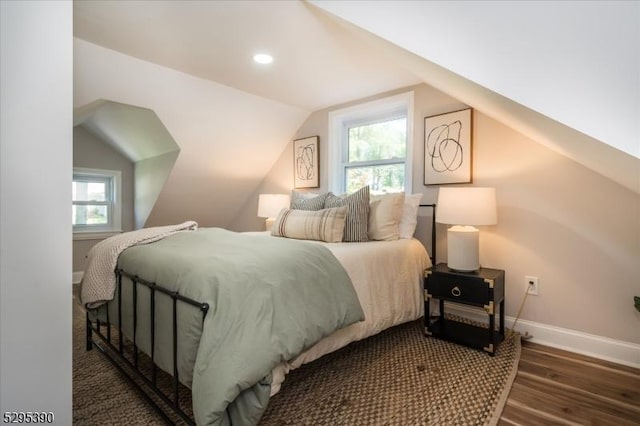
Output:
x=116 y=354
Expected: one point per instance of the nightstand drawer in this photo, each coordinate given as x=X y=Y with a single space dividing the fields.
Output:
x=483 y=288
x=454 y=288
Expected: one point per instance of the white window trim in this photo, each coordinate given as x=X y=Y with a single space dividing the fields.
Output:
x=101 y=232
x=366 y=111
x=93 y=235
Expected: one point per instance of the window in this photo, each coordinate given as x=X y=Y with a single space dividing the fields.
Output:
x=96 y=201
x=375 y=156
x=370 y=144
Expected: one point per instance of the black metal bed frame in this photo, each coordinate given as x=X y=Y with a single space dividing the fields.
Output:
x=117 y=354
x=112 y=352
x=432 y=255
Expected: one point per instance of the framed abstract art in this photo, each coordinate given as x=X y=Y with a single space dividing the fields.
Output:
x=447 y=148
x=306 y=162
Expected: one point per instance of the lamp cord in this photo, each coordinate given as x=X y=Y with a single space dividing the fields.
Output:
x=512 y=330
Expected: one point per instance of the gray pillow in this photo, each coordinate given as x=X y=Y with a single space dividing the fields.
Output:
x=356 y=224
x=306 y=201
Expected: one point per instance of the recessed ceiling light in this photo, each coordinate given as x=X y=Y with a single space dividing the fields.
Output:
x=263 y=58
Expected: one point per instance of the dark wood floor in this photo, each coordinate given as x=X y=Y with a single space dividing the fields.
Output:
x=555 y=387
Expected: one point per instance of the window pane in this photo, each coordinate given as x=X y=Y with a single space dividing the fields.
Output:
x=388 y=178
x=378 y=141
x=90 y=215
x=89 y=191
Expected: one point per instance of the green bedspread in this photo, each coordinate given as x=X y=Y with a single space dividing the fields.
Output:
x=270 y=299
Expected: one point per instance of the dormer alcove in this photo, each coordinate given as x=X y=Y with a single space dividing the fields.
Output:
x=132 y=140
x=139 y=135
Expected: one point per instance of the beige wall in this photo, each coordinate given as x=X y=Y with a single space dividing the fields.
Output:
x=427 y=101
x=91 y=152
x=574 y=229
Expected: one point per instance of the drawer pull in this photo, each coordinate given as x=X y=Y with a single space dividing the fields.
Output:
x=456 y=291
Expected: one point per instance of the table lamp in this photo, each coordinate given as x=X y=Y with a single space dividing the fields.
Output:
x=465 y=208
x=269 y=205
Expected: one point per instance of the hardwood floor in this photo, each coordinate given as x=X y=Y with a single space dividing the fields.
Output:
x=554 y=387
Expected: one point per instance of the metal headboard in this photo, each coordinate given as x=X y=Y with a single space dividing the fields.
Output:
x=432 y=253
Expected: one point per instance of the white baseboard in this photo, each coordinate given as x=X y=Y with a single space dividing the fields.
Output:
x=617 y=351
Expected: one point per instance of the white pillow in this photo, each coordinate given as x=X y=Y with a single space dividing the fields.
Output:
x=409 y=218
x=321 y=225
x=385 y=212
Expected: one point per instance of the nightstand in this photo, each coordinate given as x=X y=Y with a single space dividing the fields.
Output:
x=483 y=289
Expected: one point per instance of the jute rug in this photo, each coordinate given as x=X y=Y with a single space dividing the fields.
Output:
x=398 y=377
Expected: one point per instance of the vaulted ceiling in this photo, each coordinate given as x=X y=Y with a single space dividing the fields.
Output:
x=566 y=81
x=317 y=63
x=566 y=74
x=191 y=63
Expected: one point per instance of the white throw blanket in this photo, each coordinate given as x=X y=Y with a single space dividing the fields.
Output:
x=98 y=284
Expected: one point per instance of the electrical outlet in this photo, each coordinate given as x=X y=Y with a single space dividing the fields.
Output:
x=531 y=284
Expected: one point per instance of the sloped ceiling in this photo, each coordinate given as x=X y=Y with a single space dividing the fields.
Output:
x=138 y=134
x=566 y=74
x=228 y=138
x=317 y=63
x=190 y=61
x=577 y=62
x=599 y=155
x=135 y=132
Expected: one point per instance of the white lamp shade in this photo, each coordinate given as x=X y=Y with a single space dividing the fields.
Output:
x=269 y=205
x=467 y=206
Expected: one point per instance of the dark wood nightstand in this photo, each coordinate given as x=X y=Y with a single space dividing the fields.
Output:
x=483 y=289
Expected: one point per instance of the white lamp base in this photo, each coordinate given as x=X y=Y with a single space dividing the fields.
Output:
x=268 y=223
x=463 y=248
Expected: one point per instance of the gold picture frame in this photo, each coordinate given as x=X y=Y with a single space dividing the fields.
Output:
x=306 y=162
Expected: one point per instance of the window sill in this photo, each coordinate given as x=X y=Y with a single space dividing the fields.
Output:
x=94 y=235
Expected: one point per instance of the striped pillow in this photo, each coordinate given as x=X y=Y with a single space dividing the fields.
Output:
x=356 y=225
x=322 y=225
x=307 y=201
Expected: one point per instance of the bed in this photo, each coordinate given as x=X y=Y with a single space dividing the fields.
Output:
x=169 y=323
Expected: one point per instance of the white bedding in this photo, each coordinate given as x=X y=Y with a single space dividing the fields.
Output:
x=387 y=276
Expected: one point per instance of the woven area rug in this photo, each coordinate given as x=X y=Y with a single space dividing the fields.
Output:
x=398 y=377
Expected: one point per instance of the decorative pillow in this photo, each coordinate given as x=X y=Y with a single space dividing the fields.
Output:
x=384 y=216
x=355 y=227
x=321 y=225
x=409 y=218
x=307 y=200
